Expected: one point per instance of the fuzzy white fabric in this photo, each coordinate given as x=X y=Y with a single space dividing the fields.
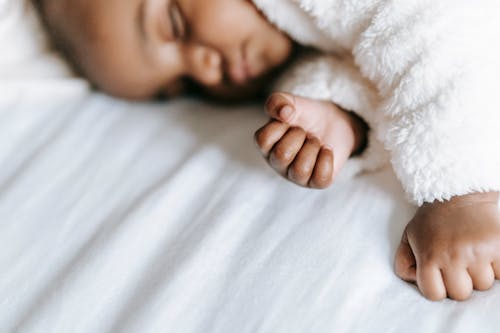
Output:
x=162 y=217
x=424 y=74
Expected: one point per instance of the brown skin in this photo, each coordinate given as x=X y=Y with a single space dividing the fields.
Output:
x=295 y=156
x=311 y=145
x=450 y=248
x=139 y=48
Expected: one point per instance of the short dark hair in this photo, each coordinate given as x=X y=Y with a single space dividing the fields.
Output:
x=59 y=40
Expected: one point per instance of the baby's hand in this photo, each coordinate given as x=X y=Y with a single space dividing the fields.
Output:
x=451 y=247
x=308 y=141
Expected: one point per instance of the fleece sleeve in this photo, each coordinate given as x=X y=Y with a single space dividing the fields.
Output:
x=335 y=79
x=436 y=67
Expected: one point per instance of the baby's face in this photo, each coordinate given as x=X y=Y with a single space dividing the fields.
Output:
x=138 y=48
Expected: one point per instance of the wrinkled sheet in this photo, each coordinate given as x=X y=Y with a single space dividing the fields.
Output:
x=162 y=217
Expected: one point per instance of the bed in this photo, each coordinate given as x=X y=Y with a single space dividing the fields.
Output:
x=120 y=216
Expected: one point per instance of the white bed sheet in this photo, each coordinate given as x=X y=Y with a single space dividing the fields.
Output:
x=162 y=217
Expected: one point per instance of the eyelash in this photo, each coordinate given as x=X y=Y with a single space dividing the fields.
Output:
x=178 y=24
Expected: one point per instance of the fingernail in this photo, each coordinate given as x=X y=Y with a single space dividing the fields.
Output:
x=286 y=111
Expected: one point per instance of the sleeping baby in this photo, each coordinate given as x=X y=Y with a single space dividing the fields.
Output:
x=410 y=83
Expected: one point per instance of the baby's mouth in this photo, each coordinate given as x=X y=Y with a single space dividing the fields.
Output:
x=240 y=71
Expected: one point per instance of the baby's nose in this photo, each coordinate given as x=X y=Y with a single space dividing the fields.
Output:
x=206 y=65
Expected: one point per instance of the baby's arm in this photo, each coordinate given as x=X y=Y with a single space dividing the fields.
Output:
x=438 y=78
x=312 y=144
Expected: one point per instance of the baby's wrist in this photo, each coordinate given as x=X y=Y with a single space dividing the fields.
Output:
x=360 y=129
x=461 y=201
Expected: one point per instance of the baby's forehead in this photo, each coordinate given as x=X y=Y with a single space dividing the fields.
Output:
x=73 y=25
x=80 y=27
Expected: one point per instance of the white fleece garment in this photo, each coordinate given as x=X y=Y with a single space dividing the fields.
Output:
x=424 y=74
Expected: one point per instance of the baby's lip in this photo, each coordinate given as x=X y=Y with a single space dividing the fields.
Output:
x=240 y=72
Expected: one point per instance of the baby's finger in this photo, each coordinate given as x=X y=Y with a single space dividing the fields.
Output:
x=458 y=283
x=405 y=264
x=267 y=136
x=430 y=282
x=322 y=175
x=277 y=102
x=285 y=150
x=482 y=276
x=303 y=166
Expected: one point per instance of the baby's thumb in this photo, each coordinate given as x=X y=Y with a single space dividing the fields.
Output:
x=405 y=264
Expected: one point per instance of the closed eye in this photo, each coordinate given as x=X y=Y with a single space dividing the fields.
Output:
x=178 y=23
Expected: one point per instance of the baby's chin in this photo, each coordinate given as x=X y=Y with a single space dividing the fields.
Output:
x=229 y=92
x=234 y=93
